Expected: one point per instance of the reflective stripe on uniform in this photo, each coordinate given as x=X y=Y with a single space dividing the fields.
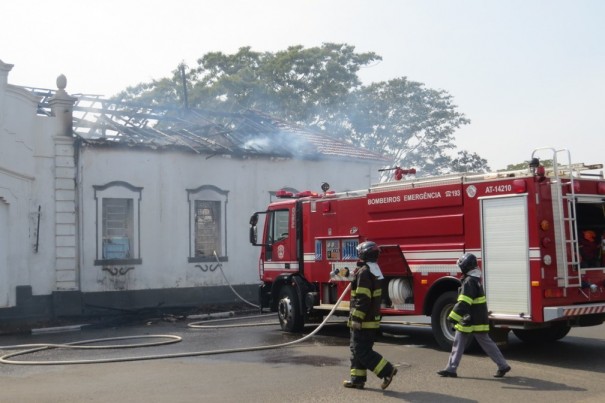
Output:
x=364 y=291
x=358 y=314
x=464 y=329
x=466 y=299
x=378 y=368
x=472 y=328
x=455 y=316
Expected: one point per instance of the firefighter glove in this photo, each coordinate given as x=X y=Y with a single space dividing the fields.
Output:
x=466 y=320
x=355 y=325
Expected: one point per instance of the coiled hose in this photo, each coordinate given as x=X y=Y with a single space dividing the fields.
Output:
x=168 y=339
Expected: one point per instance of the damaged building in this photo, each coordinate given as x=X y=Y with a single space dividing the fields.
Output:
x=109 y=207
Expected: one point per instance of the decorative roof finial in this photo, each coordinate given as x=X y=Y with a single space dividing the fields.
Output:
x=61 y=82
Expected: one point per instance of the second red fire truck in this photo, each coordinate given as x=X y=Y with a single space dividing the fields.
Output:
x=538 y=234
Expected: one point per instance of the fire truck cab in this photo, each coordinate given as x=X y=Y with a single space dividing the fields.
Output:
x=538 y=234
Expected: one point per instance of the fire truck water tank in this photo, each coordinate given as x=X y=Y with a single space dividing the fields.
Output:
x=400 y=291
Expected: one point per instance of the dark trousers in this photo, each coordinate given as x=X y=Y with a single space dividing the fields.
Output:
x=364 y=358
x=462 y=339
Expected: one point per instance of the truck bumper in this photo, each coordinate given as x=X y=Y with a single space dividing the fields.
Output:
x=558 y=312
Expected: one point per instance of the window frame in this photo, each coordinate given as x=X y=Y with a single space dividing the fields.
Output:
x=118 y=190
x=213 y=194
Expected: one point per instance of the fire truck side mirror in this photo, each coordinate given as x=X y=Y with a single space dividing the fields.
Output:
x=253 y=233
x=253 y=236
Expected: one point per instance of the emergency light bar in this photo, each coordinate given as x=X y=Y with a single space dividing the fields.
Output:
x=307 y=193
x=283 y=194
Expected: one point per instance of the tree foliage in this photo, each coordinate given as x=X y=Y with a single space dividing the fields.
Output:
x=525 y=164
x=319 y=88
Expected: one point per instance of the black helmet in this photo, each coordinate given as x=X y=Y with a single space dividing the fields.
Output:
x=368 y=251
x=467 y=262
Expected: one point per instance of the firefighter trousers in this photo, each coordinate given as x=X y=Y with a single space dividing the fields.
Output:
x=461 y=340
x=364 y=358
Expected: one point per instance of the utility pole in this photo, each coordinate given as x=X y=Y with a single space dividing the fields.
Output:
x=184 y=79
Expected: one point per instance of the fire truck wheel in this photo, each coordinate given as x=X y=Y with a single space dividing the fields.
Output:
x=443 y=330
x=543 y=335
x=288 y=310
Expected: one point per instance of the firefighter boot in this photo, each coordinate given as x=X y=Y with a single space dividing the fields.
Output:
x=354 y=385
x=386 y=381
x=446 y=373
x=501 y=372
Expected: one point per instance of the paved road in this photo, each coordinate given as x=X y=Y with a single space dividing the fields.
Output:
x=572 y=370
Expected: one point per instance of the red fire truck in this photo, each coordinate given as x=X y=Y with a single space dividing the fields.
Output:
x=529 y=229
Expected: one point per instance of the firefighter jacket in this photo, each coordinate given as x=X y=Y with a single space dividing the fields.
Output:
x=366 y=296
x=470 y=312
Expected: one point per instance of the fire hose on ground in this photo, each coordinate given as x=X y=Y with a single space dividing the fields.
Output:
x=166 y=339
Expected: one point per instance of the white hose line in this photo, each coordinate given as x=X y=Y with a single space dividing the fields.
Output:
x=78 y=345
x=220 y=266
x=5 y=359
x=197 y=325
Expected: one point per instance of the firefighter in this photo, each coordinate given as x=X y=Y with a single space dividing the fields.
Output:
x=590 y=250
x=471 y=320
x=364 y=320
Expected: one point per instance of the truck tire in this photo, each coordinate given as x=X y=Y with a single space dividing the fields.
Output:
x=543 y=335
x=443 y=330
x=288 y=310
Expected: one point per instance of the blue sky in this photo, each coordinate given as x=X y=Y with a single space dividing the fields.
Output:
x=527 y=73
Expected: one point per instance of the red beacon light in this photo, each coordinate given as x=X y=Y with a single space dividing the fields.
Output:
x=537 y=170
x=400 y=172
x=307 y=193
x=519 y=186
x=283 y=194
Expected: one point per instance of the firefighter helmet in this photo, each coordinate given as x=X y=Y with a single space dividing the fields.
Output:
x=590 y=235
x=368 y=251
x=467 y=262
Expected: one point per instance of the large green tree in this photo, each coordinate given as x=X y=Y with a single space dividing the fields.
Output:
x=412 y=124
x=319 y=88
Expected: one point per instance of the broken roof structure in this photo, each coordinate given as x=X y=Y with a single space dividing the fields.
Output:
x=104 y=122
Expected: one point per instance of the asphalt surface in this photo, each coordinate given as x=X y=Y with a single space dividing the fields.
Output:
x=571 y=370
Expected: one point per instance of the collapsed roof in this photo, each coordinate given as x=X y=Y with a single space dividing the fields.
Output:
x=103 y=122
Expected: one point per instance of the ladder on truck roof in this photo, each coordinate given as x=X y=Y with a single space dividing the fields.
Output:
x=570 y=247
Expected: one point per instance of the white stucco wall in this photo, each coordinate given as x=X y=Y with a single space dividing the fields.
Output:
x=26 y=182
x=164 y=215
x=37 y=168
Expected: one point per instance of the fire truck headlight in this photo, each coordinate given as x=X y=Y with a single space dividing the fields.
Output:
x=547 y=260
